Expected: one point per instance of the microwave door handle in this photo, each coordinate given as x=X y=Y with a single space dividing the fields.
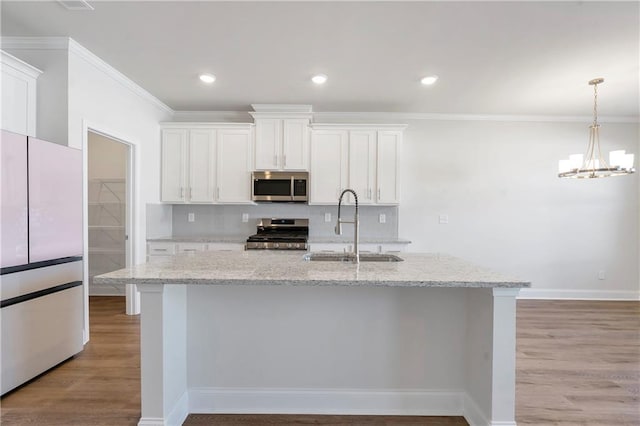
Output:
x=292 y=189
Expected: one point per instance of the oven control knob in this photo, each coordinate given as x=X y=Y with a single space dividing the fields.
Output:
x=276 y=245
x=289 y=245
x=297 y=245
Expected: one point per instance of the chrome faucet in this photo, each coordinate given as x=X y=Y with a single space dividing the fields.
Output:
x=355 y=221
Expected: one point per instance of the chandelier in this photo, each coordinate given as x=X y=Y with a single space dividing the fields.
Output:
x=592 y=164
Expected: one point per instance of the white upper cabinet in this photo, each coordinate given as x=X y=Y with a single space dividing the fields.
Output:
x=388 y=170
x=282 y=136
x=18 y=95
x=369 y=164
x=282 y=143
x=295 y=144
x=174 y=165
x=328 y=173
x=234 y=166
x=202 y=144
x=206 y=163
x=362 y=165
x=268 y=143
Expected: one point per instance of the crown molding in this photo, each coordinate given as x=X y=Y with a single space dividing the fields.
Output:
x=35 y=43
x=326 y=116
x=20 y=65
x=358 y=126
x=209 y=116
x=123 y=80
x=203 y=125
x=72 y=46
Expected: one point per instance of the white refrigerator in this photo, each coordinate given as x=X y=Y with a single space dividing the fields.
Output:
x=41 y=291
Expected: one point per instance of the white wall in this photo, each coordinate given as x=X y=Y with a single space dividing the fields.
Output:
x=507 y=209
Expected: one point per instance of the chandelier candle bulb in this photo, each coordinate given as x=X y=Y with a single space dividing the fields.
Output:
x=576 y=161
x=616 y=158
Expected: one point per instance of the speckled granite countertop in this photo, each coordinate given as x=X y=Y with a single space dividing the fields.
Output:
x=201 y=239
x=243 y=239
x=288 y=268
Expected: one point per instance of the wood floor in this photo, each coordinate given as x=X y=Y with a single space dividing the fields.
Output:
x=578 y=363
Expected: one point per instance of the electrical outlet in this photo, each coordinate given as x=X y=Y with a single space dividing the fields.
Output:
x=327 y=217
x=245 y=217
x=602 y=274
x=191 y=217
x=382 y=218
x=443 y=219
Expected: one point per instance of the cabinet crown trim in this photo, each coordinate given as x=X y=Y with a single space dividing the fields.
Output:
x=282 y=108
x=20 y=65
x=281 y=115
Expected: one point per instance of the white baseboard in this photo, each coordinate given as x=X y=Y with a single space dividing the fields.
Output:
x=475 y=417
x=472 y=413
x=151 y=421
x=180 y=411
x=534 y=293
x=326 y=401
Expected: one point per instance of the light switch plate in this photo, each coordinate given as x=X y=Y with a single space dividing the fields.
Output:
x=382 y=218
x=245 y=217
x=327 y=217
x=191 y=217
x=443 y=219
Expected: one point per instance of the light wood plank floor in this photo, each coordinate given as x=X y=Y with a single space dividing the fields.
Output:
x=578 y=364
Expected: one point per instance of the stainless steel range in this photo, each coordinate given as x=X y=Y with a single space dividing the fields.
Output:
x=280 y=234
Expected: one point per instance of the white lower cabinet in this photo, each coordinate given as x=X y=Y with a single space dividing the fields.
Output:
x=157 y=250
x=206 y=163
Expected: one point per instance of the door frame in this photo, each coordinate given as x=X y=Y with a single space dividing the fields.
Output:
x=132 y=295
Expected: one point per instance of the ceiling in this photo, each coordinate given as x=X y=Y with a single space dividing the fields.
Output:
x=531 y=58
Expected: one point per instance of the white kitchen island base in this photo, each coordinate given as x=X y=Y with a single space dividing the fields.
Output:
x=266 y=334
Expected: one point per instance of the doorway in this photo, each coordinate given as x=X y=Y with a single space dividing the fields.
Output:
x=108 y=210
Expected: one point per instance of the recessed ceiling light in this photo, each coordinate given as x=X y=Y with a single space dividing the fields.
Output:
x=319 y=79
x=429 y=80
x=207 y=78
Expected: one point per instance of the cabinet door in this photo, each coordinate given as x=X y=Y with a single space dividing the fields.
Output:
x=388 y=179
x=328 y=173
x=268 y=143
x=13 y=207
x=201 y=165
x=55 y=201
x=362 y=165
x=233 y=166
x=295 y=144
x=174 y=165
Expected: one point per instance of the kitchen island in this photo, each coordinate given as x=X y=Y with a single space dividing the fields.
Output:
x=265 y=332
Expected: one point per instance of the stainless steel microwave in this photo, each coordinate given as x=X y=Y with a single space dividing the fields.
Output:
x=280 y=186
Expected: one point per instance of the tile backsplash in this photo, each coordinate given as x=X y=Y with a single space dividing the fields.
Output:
x=226 y=220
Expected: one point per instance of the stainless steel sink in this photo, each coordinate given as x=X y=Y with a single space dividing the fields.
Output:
x=349 y=257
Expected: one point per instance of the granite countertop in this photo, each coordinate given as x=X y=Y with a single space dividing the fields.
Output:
x=201 y=239
x=243 y=239
x=288 y=268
